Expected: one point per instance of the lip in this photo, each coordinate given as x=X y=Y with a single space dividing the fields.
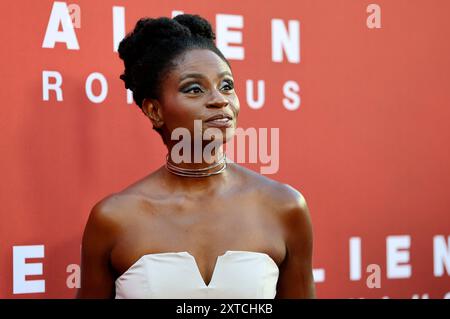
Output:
x=219 y=116
x=222 y=122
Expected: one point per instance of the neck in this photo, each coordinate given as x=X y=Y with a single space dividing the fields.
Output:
x=197 y=159
x=197 y=164
x=198 y=186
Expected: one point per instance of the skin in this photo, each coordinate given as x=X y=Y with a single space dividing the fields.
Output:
x=235 y=210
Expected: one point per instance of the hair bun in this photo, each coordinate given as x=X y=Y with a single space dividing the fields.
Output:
x=149 y=32
x=197 y=25
x=160 y=28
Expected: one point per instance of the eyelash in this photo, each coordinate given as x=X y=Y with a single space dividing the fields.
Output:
x=229 y=83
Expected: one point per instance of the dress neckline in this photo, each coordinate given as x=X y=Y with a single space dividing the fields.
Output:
x=189 y=255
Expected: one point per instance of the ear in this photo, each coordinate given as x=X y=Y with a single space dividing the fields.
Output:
x=152 y=109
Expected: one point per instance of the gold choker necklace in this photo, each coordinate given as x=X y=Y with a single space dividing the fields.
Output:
x=196 y=172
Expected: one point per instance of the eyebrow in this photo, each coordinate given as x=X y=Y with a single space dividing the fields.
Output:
x=201 y=76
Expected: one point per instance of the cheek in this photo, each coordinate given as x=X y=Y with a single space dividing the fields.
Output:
x=236 y=103
x=180 y=113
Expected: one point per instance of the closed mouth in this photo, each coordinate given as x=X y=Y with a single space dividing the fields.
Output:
x=220 y=118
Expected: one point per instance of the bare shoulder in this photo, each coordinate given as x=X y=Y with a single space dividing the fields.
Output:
x=287 y=204
x=103 y=228
x=290 y=208
x=275 y=193
x=115 y=212
x=293 y=210
x=105 y=216
x=112 y=207
x=111 y=213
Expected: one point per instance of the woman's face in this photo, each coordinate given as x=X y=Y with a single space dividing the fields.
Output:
x=200 y=86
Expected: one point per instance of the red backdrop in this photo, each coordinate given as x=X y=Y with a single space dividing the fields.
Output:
x=367 y=142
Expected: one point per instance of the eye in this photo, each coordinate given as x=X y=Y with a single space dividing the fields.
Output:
x=193 y=89
x=229 y=84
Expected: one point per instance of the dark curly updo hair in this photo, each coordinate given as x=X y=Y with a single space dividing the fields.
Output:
x=149 y=51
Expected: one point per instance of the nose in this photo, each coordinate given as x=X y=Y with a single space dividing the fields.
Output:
x=217 y=99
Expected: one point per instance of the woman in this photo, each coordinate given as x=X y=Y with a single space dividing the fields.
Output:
x=208 y=229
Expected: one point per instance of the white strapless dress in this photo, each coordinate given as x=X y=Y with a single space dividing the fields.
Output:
x=175 y=275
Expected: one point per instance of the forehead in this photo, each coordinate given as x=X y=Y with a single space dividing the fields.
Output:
x=199 y=61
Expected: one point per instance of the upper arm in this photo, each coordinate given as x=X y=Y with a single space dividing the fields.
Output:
x=97 y=275
x=296 y=274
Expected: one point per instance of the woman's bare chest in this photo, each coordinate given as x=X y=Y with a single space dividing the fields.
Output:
x=205 y=228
